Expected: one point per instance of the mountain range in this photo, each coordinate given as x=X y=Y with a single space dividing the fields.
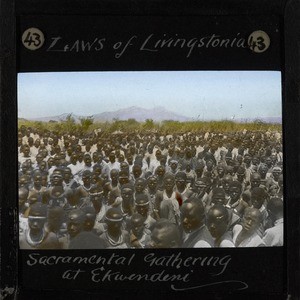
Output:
x=140 y=114
x=157 y=114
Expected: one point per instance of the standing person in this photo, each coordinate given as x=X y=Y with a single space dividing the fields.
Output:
x=169 y=206
x=113 y=164
x=151 y=192
x=200 y=189
x=142 y=207
x=82 y=193
x=69 y=180
x=236 y=202
x=74 y=166
x=37 y=187
x=190 y=175
x=160 y=173
x=57 y=194
x=182 y=190
x=25 y=155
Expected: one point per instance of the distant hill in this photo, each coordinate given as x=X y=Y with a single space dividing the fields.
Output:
x=157 y=114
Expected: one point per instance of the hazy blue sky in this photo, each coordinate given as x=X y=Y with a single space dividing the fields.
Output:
x=198 y=94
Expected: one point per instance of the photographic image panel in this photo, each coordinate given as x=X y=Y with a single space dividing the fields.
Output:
x=160 y=159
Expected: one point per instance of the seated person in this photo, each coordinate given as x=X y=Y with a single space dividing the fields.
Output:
x=258 y=197
x=139 y=235
x=193 y=224
x=55 y=221
x=274 y=235
x=90 y=218
x=218 y=222
x=75 y=220
x=246 y=234
x=36 y=237
x=87 y=238
x=114 y=236
x=142 y=207
x=165 y=234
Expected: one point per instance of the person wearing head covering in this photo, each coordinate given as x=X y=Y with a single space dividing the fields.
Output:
x=115 y=237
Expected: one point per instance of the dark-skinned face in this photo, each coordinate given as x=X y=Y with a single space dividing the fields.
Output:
x=169 y=185
x=218 y=199
x=255 y=181
x=139 y=186
x=180 y=183
x=87 y=160
x=161 y=239
x=112 y=158
x=67 y=175
x=276 y=174
x=216 y=223
x=152 y=183
x=114 y=227
x=137 y=226
x=137 y=172
x=234 y=193
x=114 y=176
x=127 y=194
x=56 y=179
x=142 y=209
x=250 y=221
x=37 y=180
x=26 y=151
x=189 y=218
x=257 y=201
x=86 y=179
x=89 y=222
x=200 y=187
x=36 y=225
x=74 y=228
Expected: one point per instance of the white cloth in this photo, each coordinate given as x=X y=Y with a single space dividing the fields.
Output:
x=274 y=235
x=252 y=241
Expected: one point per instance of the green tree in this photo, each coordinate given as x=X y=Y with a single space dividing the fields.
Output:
x=86 y=122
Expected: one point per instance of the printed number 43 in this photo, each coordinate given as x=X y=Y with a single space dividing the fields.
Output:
x=259 y=43
x=33 y=38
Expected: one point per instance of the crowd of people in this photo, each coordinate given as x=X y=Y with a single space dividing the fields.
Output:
x=149 y=189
